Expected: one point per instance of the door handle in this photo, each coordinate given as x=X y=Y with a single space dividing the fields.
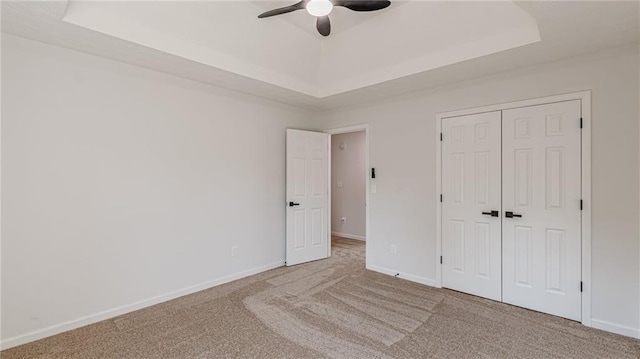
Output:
x=492 y=213
x=291 y=204
x=512 y=215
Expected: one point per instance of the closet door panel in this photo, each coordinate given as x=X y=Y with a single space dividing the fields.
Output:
x=541 y=187
x=471 y=185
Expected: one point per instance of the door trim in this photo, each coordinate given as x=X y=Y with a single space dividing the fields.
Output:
x=348 y=129
x=585 y=101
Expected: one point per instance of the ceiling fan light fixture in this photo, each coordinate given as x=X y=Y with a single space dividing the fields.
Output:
x=319 y=7
x=322 y=8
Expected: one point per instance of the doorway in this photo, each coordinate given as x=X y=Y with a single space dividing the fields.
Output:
x=349 y=183
x=308 y=195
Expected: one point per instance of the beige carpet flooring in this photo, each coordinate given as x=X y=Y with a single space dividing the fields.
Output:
x=332 y=308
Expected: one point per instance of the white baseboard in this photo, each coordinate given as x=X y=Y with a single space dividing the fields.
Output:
x=615 y=328
x=409 y=277
x=349 y=236
x=111 y=313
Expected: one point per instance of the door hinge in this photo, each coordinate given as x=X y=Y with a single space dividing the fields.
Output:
x=440 y=136
x=441 y=198
x=580 y=122
x=580 y=287
x=440 y=259
x=581 y=205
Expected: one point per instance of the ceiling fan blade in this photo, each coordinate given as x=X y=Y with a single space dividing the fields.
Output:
x=363 y=5
x=283 y=10
x=323 y=25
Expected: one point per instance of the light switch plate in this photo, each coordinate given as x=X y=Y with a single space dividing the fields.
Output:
x=374 y=188
x=339 y=184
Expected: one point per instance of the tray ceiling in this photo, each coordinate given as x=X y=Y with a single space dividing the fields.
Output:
x=411 y=46
x=364 y=48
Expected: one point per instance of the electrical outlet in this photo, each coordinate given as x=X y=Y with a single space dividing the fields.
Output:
x=339 y=184
x=343 y=219
x=234 y=251
x=393 y=249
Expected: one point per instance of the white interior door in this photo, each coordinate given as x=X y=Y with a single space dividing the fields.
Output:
x=307 y=196
x=541 y=187
x=471 y=188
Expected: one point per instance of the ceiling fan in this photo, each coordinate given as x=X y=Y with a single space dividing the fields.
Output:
x=322 y=8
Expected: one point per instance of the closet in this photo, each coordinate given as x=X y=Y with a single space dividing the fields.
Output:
x=511 y=206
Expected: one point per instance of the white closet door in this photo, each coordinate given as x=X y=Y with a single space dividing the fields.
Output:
x=541 y=187
x=471 y=186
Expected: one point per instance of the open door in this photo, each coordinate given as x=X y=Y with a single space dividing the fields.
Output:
x=307 y=196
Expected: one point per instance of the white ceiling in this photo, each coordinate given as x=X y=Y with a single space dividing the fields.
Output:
x=410 y=46
x=286 y=51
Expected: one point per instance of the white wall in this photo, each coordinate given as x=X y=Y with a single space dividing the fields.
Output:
x=347 y=166
x=402 y=149
x=123 y=187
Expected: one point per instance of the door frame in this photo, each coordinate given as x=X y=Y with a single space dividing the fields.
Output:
x=349 y=129
x=585 y=102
